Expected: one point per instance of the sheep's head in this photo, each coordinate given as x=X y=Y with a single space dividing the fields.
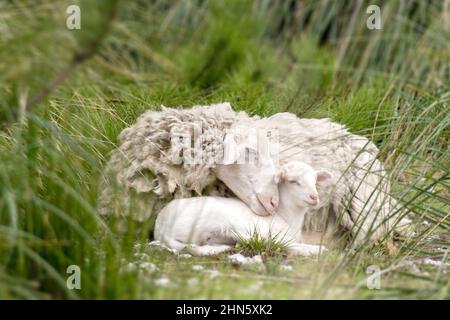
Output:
x=299 y=183
x=264 y=178
x=253 y=178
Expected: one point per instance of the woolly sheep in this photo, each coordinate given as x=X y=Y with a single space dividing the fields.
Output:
x=358 y=196
x=210 y=225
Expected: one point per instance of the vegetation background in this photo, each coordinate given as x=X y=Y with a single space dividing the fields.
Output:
x=66 y=94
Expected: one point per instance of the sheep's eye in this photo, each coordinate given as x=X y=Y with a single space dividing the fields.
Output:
x=295 y=182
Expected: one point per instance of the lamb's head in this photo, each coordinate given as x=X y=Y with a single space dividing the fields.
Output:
x=299 y=184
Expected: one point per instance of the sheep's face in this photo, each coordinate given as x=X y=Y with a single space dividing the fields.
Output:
x=264 y=180
x=300 y=183
x=252 y=178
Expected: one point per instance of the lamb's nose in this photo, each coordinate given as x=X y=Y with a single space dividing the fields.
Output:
x=313 y=197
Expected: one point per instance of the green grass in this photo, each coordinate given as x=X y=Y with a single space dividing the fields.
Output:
x=390 y=85
x=275 y=245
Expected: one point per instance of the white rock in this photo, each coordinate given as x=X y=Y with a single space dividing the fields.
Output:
x=163 y=282
x=286 y=267
x=213 y=273
x=148 y=266
x=158 y=244
x=141 y=256
x=435 y=263
x=193 y=282
x=130 y=267
x=154 y=243
x=197 y=267
x=239 y=259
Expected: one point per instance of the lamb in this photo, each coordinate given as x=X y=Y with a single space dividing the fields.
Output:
x=142 y=175
x=211 y=225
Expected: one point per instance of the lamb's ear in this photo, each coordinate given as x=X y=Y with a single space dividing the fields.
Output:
x=230 y=149
x=323 y=176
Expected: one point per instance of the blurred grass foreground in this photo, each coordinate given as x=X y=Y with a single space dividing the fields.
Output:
x=66 y=94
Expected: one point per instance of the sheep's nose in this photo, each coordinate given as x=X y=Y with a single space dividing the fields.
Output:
x=313 y=197
x=274 y=202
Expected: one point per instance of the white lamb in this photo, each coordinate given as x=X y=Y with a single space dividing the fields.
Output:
x=210 y=225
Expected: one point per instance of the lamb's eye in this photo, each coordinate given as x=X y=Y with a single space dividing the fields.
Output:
x=295 y=182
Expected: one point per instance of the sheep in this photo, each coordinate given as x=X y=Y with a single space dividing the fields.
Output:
x=143 y=173
x=211 y=225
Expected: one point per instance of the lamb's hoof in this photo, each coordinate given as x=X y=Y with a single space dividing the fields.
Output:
x=192 y=249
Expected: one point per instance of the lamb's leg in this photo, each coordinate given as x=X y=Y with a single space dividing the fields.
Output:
x=303 y=249
x=174 y=244
x=207 y=250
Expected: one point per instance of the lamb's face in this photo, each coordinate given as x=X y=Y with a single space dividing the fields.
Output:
x=300 y=183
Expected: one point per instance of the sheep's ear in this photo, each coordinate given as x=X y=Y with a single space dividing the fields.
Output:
x=323 y=176
x=230 y=150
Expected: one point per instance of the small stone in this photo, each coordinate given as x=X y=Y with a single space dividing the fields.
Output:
x=213 y=273
x=286 y=267
x=197 y=267
x=141 y=256
x=240 y=260
x=192 y=282
x=163 y=282
x=159 y=245
x=130 y=267
x=148 y=266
